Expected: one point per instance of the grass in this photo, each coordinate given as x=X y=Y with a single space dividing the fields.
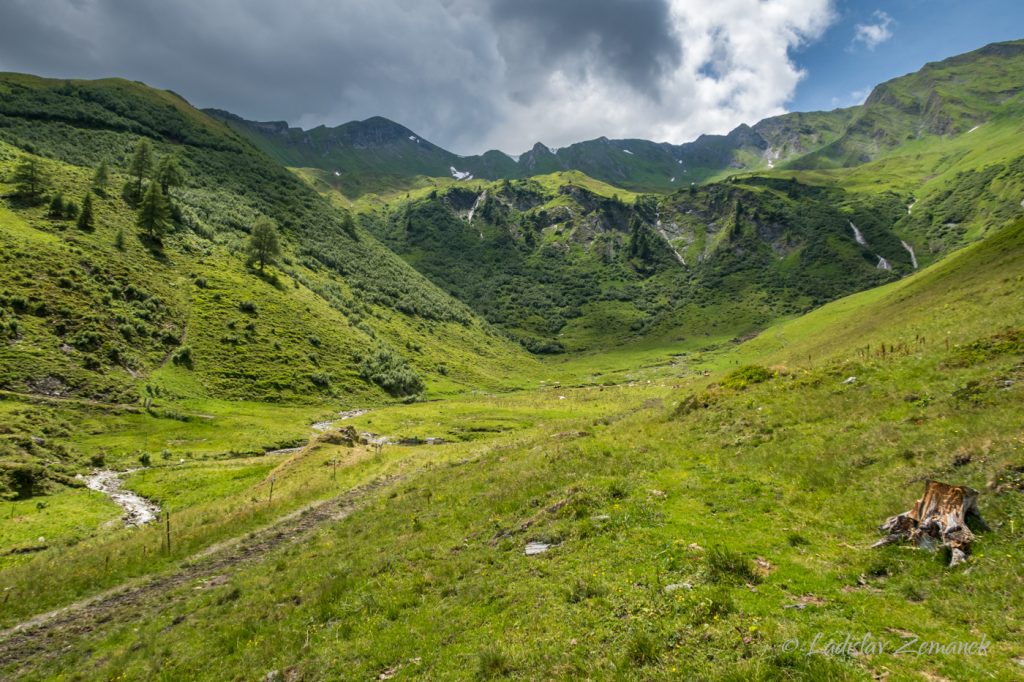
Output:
x=189 y=485
x=61 y=519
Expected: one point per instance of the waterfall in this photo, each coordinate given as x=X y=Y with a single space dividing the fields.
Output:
x=910 y=250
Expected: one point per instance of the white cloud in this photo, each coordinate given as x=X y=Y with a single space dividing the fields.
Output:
x=734 y=67
x=874 y=34
x=853 y=98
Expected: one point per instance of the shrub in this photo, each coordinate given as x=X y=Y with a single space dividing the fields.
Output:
x=740 y=378
x=183 y=357
x=694 y=402
x=25 y=480
x=56 y=209
x=390 y=371
x=321 y=379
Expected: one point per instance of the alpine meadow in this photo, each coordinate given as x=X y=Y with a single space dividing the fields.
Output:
x=297 y=401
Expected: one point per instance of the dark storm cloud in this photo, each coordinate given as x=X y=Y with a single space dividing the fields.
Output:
x=633 y=40
x=307 y=61
x=467 y=74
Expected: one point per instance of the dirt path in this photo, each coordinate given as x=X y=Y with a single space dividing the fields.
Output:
x=51 y=634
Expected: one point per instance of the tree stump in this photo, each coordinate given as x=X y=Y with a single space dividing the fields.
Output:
x=939 y=517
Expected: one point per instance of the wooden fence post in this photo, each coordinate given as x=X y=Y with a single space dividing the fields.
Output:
x=167 y=520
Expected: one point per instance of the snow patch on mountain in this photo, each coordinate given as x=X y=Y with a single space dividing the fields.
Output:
x=460 y=175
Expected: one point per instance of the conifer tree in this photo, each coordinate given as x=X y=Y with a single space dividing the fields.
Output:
x=85 y=217
x=101 y=178
x=29 y=178
x=141 y=164
x=169 y=174
x=154 y=212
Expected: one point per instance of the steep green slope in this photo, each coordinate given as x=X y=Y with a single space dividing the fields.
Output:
x=563 y=266
x=942 y=99
x=110 y=314
x=956 y=188
x=972 y=293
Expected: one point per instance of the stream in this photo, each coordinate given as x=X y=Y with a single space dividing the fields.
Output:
x=138 y=510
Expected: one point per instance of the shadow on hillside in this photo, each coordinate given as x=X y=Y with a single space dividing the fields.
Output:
x=270 y=278
x=155 y=246
x=22 y=201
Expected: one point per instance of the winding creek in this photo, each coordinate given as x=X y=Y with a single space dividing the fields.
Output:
x=138 y=510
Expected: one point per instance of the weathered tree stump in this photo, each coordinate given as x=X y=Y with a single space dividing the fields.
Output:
x=940 y=516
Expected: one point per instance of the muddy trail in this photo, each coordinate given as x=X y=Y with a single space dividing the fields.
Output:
x=51 y=634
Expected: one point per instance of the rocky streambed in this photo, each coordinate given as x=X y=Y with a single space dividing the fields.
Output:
x=138 y=510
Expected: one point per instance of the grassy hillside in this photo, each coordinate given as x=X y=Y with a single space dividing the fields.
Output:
x=956 y=188
x=109 y=314
x=942 y=99
x=696 y=526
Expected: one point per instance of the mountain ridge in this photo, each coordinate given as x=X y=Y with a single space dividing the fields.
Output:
x=663 y=166
x=928 y=101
